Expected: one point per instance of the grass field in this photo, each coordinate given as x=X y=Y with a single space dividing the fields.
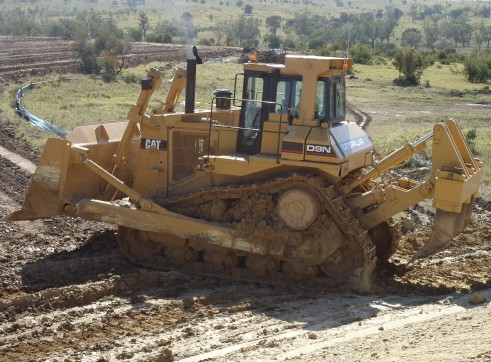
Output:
x=399 y=114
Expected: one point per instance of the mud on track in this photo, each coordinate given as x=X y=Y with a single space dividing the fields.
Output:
x=67 y=293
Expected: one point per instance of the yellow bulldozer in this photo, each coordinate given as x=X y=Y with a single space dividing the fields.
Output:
x=271 y=185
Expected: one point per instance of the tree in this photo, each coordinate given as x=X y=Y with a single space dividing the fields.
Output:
x=220 y=29
x=431 y=29
x=414 y=11
x=459 y=30
x=143 y=24
x=165 y=31
x=85 y=51
x=273 y=41
x=478 y=68
x=273 y=23
x=411 y=37
x=248 y=9
x=246 y=31
x=361 y=54
x=135 y=34
x=410 y=64
x=112 y=46
x=109 y=46
x=305 y=23
x=317 y=43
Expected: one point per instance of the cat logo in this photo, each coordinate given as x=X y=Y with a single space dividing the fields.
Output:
x=148 y=143
x=319 y=150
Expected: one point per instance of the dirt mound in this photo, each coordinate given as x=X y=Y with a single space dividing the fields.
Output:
x=9 y=141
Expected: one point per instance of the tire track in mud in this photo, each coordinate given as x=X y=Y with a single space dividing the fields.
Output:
x=362 y=119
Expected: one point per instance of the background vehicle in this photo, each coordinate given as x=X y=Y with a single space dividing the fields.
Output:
x=274 y=185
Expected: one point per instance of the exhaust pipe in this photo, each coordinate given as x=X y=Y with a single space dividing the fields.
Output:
x=191 y=60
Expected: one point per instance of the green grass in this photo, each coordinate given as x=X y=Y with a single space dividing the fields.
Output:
x=401 y=114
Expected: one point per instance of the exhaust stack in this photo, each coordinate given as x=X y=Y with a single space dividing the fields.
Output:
x=192 y=60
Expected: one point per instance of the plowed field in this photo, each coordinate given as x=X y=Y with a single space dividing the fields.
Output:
x=21 y=58
x=67 y=293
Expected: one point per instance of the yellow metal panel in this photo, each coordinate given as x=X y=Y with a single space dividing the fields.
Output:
x=271 y=137
x=450 y=194
x=241 y=164
x=227 y=141
x=293 y=144
x=269 y=143
x=319 y=148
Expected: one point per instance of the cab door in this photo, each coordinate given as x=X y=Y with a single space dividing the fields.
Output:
x=253 y=114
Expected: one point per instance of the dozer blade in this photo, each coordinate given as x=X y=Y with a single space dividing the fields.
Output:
x=447 y=226
x=43 y=197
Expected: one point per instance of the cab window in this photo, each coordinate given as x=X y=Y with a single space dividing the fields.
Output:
x=320 y=101
x=288 y=95
x=337 y=99
x=251 y=109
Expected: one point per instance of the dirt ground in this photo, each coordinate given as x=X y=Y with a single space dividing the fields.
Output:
x=67 y=294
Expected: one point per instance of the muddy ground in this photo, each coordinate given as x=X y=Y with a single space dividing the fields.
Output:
x=67 y=293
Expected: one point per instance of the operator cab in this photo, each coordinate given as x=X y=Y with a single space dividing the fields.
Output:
x=293 y=93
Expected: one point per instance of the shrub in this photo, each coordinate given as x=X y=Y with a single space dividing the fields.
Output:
x=317 y=43
x=135 y=34
x=130 y=78
x=88 y=60
x=448 y=56
x=387 y=49
x=478 y=68
x=470 y=138
x=410 y=64
x=151 y=37
x=301 y=45
x=108 y=77
x=324 y=51
x=289 y=43
x=206 y=41
x=361 y=54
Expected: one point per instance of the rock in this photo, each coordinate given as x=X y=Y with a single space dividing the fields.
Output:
x=407 y=225
x=312 y=336
x=165 y=356
x=476 y=298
